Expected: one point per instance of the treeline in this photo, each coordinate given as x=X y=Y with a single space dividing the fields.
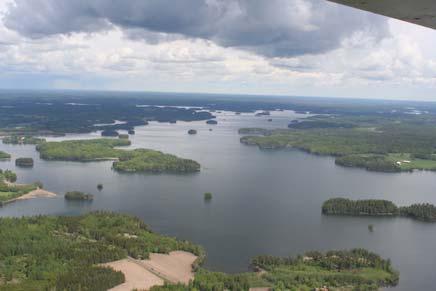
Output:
x=62 y=252
x=375 y=207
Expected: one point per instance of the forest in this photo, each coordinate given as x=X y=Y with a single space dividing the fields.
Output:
x=63 y=252
x=138 y=160
x=374 y=207
x=384 y=143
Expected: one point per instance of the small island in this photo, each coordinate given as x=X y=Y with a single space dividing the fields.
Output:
x=109 y=132
x=212 y=121
x=100 y=187
x=207 y=196
x=138 y=160
x=78 y=196
x=24 y=162
x=192 y=131
x=4 y=155
x=374 y=207
x=21 y=139
x=131 y=131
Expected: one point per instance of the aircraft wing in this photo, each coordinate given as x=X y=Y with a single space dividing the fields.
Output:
x=421 y=12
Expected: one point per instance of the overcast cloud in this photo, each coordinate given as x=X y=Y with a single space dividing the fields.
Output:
x=302 y=47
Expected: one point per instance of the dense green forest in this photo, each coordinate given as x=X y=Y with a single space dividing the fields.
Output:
x=338 y=270
x=4 y=156
x=79 y=196
x=373 y=207
x=138 y=160
x=377 y=143
x=9 y=191
x=144 y=160
x=45 y=252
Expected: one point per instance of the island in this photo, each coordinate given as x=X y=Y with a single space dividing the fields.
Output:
x=131 y=132
x=78 y=196
x=138 y=160
x=24 y=162
x=207 y=196
x=100 y=250
x=192 y=131
x=4 y=155
x=109 y=132
x=20 y=139
x=374 y=207
x=375 y=143
x=212 y=121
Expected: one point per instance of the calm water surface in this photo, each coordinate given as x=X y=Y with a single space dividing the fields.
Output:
x=264 y=202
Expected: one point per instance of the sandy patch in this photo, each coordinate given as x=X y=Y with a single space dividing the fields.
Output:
x=137 y=277
x=38 y=193
x=176 y=267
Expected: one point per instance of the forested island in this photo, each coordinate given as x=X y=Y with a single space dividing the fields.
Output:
x=78 y=196
x=65 y=253
x=383 y=143
x=10 y=191
x=24 y=162
x=374 y=207
x=138 y=160
x=4 y=155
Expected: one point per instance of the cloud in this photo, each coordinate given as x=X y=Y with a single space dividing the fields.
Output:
x=273 y=28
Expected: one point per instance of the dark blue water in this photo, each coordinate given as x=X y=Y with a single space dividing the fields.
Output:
x=264 y=202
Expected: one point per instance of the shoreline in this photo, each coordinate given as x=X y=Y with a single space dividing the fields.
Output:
x=37 y=193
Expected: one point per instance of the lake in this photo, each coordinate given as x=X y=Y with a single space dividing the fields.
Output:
x=264 y=202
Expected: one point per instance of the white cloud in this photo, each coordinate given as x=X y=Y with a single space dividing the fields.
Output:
x=401 y=65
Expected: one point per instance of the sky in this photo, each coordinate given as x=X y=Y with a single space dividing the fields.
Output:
x=268 y=47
